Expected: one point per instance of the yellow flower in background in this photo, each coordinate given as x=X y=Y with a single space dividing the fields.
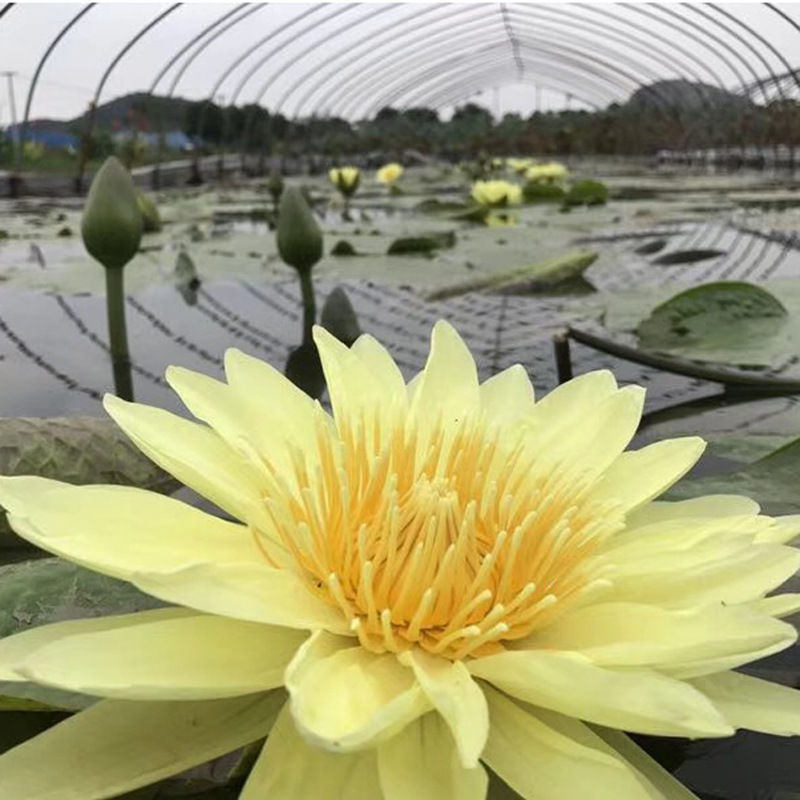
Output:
x=496 y=193
x=389 y=173
x=345 y=179
x=518 y=164
x=550 y=172
x=437 y=578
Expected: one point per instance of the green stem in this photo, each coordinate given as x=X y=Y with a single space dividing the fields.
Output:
x=118 y=334
x=309 y=305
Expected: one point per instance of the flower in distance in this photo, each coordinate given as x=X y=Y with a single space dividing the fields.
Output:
x=345 y=179
x=389 y=173
x=519 y=164
x=438 y=578
x=550 y=172
x=496 y=194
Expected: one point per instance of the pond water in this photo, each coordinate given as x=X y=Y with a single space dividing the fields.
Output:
x=54 y=354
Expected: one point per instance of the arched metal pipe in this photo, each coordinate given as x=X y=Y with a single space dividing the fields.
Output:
x=156 y=173
x=89 y=127
x=16 y=186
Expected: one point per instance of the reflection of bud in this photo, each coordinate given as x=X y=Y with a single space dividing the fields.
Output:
x=345 y=179
x=112 y=222
x=299 y=236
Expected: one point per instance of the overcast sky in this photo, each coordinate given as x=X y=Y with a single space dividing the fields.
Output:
x=351 y=59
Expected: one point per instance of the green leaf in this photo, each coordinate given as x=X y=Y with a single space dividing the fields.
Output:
x=421 y=244
x=541 y=275
x=77 y=450
x=686 y=257
x=34 y=593
x=723 y=315
x=771 y=481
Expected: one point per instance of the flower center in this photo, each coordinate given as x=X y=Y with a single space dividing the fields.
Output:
x=455 y=540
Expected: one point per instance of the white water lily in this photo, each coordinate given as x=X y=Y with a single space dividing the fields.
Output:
x=437 y=578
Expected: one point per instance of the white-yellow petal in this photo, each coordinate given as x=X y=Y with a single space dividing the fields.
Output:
x=247 y=591
x=572 y=401
x=448 y=385
x=631 y=635
x=752 y=703
x=345 y=698
x=422 y=763
x=381 y=365
x=120 y=530
x=16 y=648
x=548 y=757
x=193 y=453
x=707 y=507
x=291 y=769
x=116 y=746
x=507 y=396
x=638 y=476
x=186 y=657
x=662 y=784
x=457 y=697
x=636 y=700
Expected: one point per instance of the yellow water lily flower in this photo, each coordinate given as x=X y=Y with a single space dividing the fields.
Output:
x=438 y=578
x=519 y=164
x=345 y=179
x=549 y=172
x=496 y=193
x=389 y=173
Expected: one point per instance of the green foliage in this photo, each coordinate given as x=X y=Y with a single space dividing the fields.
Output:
x=586 y=193
x=541 y=192
x=343 y=248
x=686 y=257
x=421 y=244
x=725 y=314
x=112 y=223
x=77 y=450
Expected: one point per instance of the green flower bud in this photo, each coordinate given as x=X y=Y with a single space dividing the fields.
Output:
x=150 y=216
x=112 y=222
x=275 y=186
x=299 y=236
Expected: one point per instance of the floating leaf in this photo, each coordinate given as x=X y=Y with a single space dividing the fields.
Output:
x=541 y=192
x=648 y=248
x=77 y=450
x=586 y=193
x=541 y=275
x=343 y=248
x=48 y=590
x=771 y=481
x=421 y=244
x=686 y=257
x=723 y=314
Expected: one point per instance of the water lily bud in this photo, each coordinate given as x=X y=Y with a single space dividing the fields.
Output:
x=112 y=222
x=299 y=236
x=150 y=216
x=345 y=179
x=275 y=186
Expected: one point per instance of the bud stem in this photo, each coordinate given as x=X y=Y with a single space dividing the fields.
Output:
x=118 y=334
x=309 y=305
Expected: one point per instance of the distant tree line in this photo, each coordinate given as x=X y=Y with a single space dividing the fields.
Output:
x=634 y=128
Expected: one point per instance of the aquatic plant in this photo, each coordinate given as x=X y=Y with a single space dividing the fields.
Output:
x=112 y=228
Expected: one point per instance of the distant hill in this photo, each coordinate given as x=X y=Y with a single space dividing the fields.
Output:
x=686 y=96
x=119 y=112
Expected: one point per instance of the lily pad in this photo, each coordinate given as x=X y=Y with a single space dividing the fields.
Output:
x=686 y=257
x=716 y=315
x=541 y=275
x=421 y=244
x=343 y=248
x=77 y=450
x=771 y=481
x=648 y=248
